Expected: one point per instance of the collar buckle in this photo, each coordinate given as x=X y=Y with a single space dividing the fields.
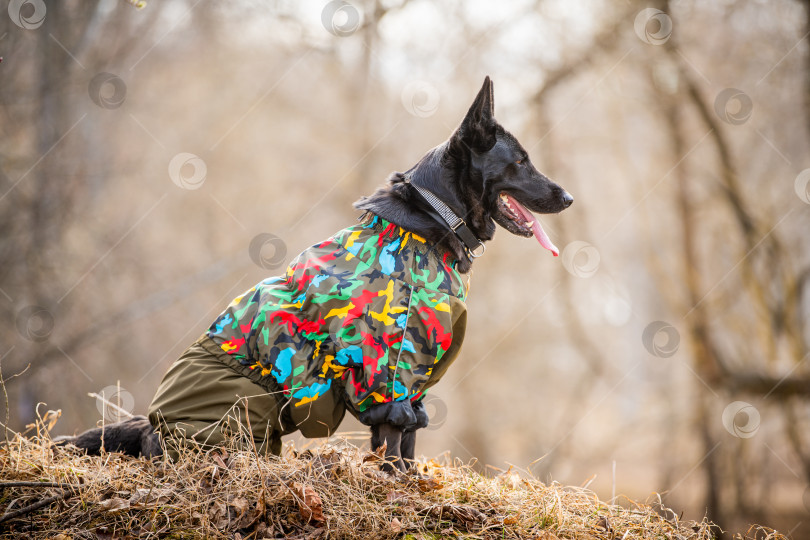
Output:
x=474 y=254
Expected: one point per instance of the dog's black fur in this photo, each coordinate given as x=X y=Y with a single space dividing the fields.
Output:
x=134 y=437
x=469 y=172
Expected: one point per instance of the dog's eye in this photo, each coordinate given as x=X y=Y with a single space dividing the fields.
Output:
x=518 y=162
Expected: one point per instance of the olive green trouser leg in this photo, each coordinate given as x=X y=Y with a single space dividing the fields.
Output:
x=203 y=401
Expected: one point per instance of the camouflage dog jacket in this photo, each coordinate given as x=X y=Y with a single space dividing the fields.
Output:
x=367 y=320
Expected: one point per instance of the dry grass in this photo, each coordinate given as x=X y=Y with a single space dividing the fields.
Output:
x=335 y=491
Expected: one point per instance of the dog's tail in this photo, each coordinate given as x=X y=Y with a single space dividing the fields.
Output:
x=134 y=437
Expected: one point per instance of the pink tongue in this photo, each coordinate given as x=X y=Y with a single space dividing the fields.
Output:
x=538 y=231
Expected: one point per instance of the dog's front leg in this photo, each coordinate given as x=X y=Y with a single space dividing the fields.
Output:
x=392 y=437
x=408 y=447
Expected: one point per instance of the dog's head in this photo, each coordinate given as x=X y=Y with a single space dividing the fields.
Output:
x=501 y=177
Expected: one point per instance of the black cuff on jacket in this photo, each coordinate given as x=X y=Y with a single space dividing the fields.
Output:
x=422 y=419
x=404 y=414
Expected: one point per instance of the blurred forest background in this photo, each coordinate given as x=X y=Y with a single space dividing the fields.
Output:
x=156 y=162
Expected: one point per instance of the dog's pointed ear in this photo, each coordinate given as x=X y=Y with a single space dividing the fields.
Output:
x=485 y=100
x=477 y=130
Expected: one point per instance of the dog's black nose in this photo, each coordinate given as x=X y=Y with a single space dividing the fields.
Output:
x=567 y=199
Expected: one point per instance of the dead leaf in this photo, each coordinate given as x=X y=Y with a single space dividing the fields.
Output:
x=219 y=461
x=143 y=497
x=468 y=514
x=206 y=486
x=50 y=418
x=262 y=530
x=464 y=513
x=396 y=526
x=240 y=504
x=237 y=513
x=115 y=504
x=429 y=484
x=604 y=522
x=47 y=422
x=371 y=457
x=242 y=514
x=218 y=512
x=376 y=454
x=310 y=505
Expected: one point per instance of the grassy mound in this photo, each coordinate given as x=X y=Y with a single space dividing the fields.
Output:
x=335 y=491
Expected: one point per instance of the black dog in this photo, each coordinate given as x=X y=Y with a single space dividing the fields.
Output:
x=451 y=199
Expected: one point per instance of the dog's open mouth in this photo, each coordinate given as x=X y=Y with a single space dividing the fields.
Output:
x=524 y=223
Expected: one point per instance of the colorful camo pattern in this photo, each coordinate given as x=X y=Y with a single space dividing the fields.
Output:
x=366 y=317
